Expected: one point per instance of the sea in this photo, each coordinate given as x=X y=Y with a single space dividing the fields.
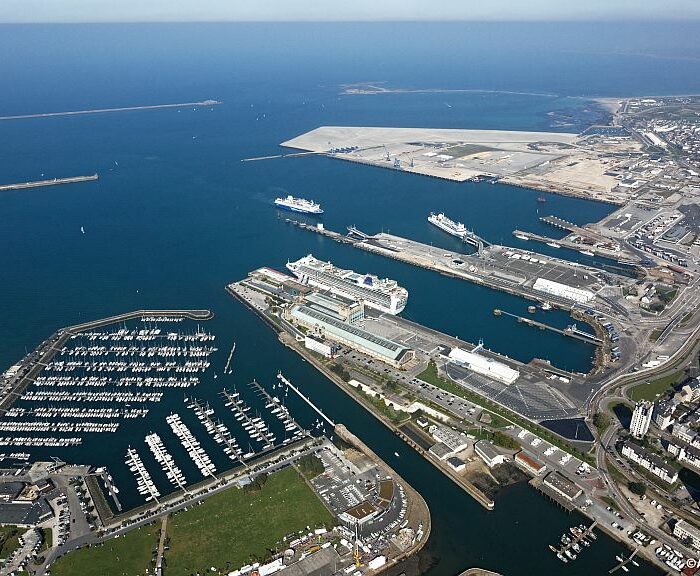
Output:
x=176 y=215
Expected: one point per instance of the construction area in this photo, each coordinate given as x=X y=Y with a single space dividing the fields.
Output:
x=565 y=163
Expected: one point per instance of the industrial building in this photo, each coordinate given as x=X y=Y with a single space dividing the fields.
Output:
x=484 y=365
x=326 y=326
x=650 y=462
x=449 y=442
x=641 y=419
x=529 y=464
x=562 y=486
x=486 y=451
x=563 y=290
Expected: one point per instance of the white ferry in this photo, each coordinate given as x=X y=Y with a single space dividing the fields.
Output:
x=299 y=205
x=450 y=226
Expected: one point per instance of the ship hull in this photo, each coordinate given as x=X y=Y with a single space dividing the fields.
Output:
x=300 y=210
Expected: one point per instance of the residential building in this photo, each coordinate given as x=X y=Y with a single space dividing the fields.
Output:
x=641 y=419
x=685 y=434
x=650 y=462
x=690 y=392
x=686 y=454
x=663 y=414
x=684 y=531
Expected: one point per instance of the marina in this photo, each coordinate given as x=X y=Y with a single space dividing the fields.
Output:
x=254 y=426
x=192 y=446
x=163 y=457
x=216 y=429
x=292 y=430
x=144 y=483
x=574 y=542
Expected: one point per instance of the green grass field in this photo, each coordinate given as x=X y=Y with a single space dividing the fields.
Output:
x=236 y=526
x=650 y=390
x=129 y=555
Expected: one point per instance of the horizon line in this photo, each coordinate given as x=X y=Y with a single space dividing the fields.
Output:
x=638 y=20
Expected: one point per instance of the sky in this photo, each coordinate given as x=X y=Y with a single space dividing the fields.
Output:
x=29 y=11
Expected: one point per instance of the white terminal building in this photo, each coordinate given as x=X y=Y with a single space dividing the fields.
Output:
x=484 y=365
x=578 y=295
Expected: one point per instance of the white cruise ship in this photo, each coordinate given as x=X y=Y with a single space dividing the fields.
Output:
x=299 y=205
x=450 y=226
x=383 y=294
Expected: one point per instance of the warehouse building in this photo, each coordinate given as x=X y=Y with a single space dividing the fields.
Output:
x=329 y=327
x=578 y=295
x=529 y=464
x=484 y=365
x=486 y=451
x=562 y=486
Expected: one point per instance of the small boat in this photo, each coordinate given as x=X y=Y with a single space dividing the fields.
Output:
x=546 y=306
x=541 y=199
x=553 y=244
x=397 y=454
x=82 y=230
x=553 y=549
x=562 y=557
x=586 y=252
x=619 y=559
x=625 y=568
x=521 y=237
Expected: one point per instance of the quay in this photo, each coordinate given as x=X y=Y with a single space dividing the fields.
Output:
x=305 y=399
x=52 y=182
x=319 y=229
x=498 y=267
x=106 y=110
x=274 y=156
x=107 y=479
x=570 y=331
x=469 y=488
x=418 y=509
x=564 y=243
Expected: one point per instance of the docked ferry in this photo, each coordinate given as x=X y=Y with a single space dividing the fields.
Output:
x=450 y=226
x=299 y=205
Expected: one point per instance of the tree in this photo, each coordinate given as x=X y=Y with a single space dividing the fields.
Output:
x=638 y=488
x=601 y=421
